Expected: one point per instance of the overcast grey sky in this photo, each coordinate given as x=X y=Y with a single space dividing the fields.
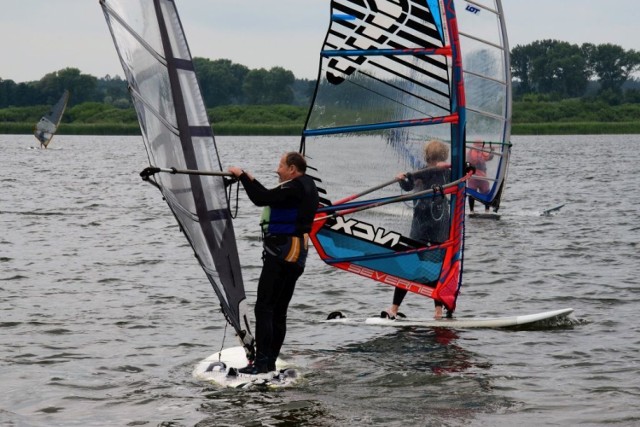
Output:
x=41 y=36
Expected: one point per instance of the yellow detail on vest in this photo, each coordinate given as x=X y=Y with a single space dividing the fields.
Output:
x=294 y=251
x=264 y=218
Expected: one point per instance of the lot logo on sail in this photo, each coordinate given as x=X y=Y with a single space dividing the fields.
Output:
x=472 y=9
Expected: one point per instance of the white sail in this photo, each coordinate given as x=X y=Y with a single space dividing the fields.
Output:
x=48 y=125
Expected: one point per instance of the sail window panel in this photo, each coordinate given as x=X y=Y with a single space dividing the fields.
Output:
x=150 y=77
x=207 y=160
x=377 y=162
x=486 y=96
x=376 y=95
x=179 y=46
x=488 y=5
x=45 y=125
x=494 y=166
x=201 y=247
x=380 y=157
x=494 y=157
x=482 y=127
x=227 y=296
x=161 y=98
x=136 y=14
x=484 y=60
x=194 y=221
x=485 y=25
x=205 y=153
x=146 y=75
x=196 y=112
x=181 y=187
x=163 y=147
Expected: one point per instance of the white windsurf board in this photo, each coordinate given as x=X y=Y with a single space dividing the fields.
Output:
x=462 y=322
x=221 y=368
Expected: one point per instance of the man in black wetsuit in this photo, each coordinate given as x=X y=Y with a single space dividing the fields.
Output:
x=286 y=222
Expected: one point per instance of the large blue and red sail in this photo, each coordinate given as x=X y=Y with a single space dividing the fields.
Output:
x=390 y=80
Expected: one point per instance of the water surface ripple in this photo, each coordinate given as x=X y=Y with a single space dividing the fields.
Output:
x=104 y=311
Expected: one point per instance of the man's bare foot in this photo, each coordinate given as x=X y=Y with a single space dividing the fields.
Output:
x=438 y=314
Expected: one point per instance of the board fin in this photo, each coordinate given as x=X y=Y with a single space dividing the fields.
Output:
x=548 y=212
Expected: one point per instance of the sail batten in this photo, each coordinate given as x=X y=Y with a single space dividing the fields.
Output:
x=382 y=52
x=453 y=118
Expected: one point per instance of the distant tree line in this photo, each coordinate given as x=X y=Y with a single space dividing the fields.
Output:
x=562 y=70
x=222 y=83
x=48 y=89
x=542 y=70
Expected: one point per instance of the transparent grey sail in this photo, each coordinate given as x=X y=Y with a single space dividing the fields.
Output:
x=487 y=77
x=153 y=50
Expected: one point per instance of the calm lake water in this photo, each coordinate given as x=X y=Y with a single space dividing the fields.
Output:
x=104 y=311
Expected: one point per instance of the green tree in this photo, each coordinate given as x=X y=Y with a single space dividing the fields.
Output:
x=269 y=87
x=113 y=91
x=18 y=94
x=521 y=58
x=220 y=81
x=550 y=66
x=6 y=90
x=254 y=87
x=613 y=66
x=81 y=86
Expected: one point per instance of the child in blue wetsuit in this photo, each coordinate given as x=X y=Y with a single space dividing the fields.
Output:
x=286 y=222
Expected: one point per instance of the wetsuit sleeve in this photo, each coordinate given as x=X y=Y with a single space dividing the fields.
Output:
x=262 y=196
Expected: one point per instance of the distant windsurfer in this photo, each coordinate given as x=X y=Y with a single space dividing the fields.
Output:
x=430 y=222
x=286 y=222
x=478 y=158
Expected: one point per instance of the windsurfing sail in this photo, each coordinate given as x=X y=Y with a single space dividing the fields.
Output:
x=153 y=50
x=48 y=125
x=390 y=80
x=487 y=82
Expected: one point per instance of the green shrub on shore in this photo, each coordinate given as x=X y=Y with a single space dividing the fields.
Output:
x=584 y=128
x=531 y=117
